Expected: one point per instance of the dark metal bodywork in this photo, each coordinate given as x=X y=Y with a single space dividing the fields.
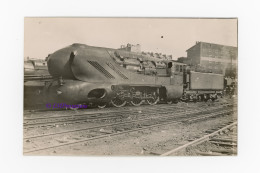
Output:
x=85 y=68
x=198 y=85
x=205 y=81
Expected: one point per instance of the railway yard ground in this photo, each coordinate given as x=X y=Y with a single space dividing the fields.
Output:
x=182 y=129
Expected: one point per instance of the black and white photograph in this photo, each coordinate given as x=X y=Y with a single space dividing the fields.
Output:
x=130 y=86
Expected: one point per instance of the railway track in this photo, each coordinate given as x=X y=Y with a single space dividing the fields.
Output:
x=35 y=111
x=110 y=108
x=113 y=129
x=214 y=137
x=162 y=115
x=85 y=117
x=100 y=115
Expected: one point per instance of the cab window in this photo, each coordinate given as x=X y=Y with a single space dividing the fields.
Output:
x=170 y=65
x=177 y=68
x=180 y=68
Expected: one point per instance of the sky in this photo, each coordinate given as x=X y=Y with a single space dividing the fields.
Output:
x=171 y=36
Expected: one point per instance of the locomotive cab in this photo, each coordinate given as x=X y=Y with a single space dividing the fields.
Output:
x=176 y=72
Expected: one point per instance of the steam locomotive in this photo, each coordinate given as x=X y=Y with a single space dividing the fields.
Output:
x=103 y=76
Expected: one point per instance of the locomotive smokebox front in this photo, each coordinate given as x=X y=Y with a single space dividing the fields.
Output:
x=59 y=63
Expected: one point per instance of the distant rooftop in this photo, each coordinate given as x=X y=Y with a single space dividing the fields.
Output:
x=201 y=42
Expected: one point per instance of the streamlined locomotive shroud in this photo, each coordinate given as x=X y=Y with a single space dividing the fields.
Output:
x=96 y=75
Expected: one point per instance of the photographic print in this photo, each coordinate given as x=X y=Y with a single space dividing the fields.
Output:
x=130 y=86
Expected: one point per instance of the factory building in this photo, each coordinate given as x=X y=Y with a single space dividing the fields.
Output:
x=212 y=57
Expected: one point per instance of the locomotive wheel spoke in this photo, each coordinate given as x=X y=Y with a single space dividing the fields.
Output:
x=136 y=101
x=117 y=102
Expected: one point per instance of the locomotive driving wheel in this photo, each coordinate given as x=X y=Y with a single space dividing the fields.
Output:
x=136 y=101
x=153 y=99
x=118 y=102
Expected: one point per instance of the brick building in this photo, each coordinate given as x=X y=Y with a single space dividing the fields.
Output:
x=213 y=57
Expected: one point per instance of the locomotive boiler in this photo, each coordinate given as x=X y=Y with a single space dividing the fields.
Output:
x=102 y=76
